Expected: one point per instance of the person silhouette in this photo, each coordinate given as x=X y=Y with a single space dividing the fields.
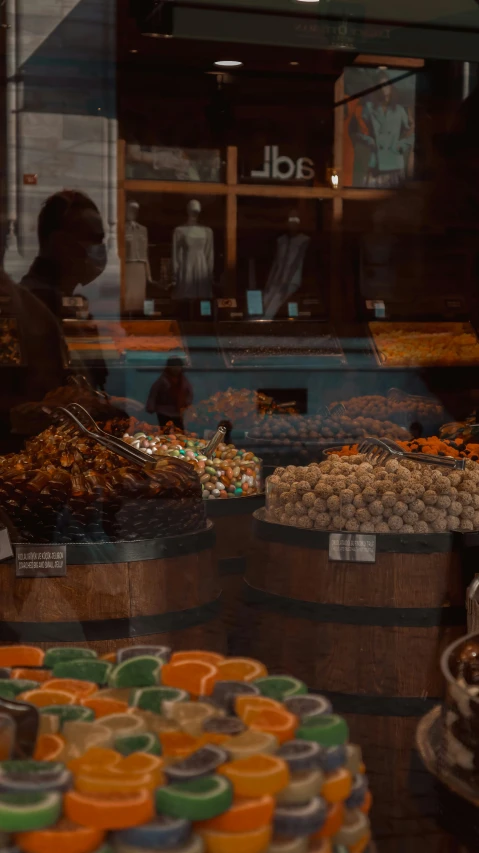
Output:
x=171 y=394
x=72 y=248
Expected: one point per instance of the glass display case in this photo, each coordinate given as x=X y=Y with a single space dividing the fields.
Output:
x=239 y=441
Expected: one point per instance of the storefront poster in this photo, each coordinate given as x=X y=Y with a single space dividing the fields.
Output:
x=378 y=149
x=155 y=163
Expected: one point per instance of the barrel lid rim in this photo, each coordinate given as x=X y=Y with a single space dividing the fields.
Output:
x=413 y=543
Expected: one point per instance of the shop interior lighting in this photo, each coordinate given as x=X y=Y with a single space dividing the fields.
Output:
x=228 y=63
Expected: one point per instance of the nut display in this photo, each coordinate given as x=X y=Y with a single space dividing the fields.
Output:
x=328 y=427
x=238 y=405
x=422 y=344
x=227 y=473
x=398 y=409
x=67 y=488
x=236 y=772
x=349 y=493
x=460 y=665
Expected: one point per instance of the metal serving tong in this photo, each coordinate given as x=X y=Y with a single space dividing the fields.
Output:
x=85 y=423
x=378 y=450
x=215 y=441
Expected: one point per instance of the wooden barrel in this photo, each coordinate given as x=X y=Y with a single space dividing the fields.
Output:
x=369 y=635
x=233 y=521
x=120 y=594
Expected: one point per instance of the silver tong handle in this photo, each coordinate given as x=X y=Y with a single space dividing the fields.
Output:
x=215 y=441
x=442 y=461
x=112 y=444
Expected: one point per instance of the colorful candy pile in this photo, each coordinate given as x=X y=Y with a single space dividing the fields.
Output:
x=433 y=446
x=146 y=750
x=226 y=473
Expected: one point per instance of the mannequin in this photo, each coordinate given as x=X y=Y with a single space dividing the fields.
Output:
x=137 y=266
x=286 y=274
x=193 y=257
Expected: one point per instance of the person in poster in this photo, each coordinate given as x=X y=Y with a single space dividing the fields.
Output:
x=381 y=128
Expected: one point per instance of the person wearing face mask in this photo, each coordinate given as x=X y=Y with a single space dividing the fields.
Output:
x=72 y=252
x=72 y=248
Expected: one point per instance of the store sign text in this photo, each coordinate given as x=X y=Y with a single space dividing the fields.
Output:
x=283 y=168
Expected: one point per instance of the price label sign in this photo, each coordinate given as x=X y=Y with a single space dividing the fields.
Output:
x=352 y=548
x=41 y=561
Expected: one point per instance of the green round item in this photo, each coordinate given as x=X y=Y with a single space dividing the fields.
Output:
x=196 y=799
x=60 y=654
x=136 y=672
x=279 y=687
x=16 y=686
x=86 y=669
x=66 y=713
x=326 y=729
x=147 y=742
x=26 y=812
x=152 y=698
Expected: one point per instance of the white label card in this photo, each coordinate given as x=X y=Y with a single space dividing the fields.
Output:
x=41 y=561
x=352 y=547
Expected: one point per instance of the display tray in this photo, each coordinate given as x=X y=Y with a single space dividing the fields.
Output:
x=136 y=342
x=279 y=346
x=424 y=344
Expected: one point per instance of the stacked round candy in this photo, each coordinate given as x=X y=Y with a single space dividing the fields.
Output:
x=226 y=473
x=189 y=752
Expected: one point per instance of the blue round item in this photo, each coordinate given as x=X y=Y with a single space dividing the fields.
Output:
x=301 y=755
x=300 y=820
x=333 y=758
x=203 y=762
x=305 y=707
x=161 y=834
x=358 y=792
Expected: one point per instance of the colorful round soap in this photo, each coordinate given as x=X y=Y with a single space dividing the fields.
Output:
x=146 y=749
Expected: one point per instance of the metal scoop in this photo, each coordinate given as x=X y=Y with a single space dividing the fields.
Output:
x=215 y=441
x=378 y=450
x=85 y=423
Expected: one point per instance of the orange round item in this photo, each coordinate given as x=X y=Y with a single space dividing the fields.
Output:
x=257 y=775
x=40 y=675
x=337 y=786
x=110 y=780
x=368 y=802
x=195 y=676
x=65 y=837
x=332 y=824
x=255 y=841
x=94 y=758
x=21 y=656
x=142 y=763
x=104 y=706
x=49 y=748
x=243 y=816
x=206 y=657
x=77 y=688
x=41 y=697
x=178 y=744
x=281 y=723
x=241 y=669
x=247 y=707
x=114 y=812
x=110 y=657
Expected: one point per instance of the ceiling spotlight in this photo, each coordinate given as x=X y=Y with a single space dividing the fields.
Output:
x=294 y=63
x=133 y=50
x=307 y=1
x=228 y=63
